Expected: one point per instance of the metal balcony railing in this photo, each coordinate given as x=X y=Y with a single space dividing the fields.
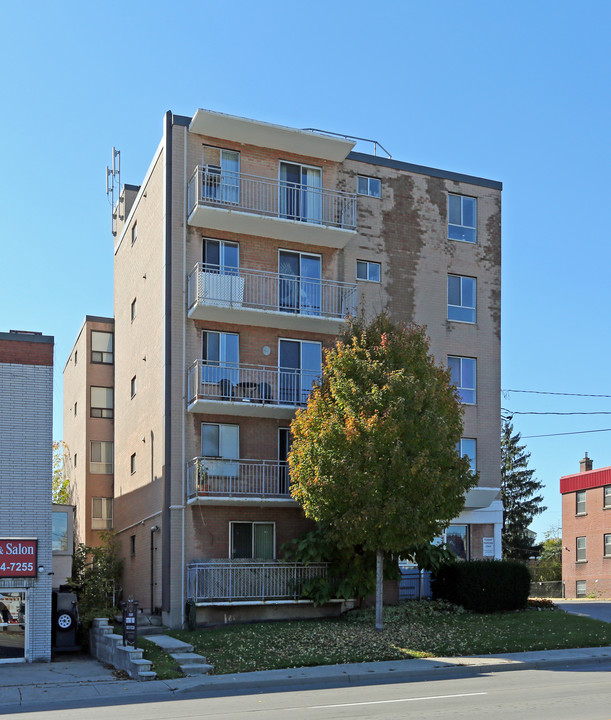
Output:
x=212 y=187
x=238 y=382
x=241 y=580
x=268 y=291
x=219 y=477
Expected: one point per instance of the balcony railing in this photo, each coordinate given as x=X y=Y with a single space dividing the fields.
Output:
x=241 y=383
x=211 y=187
x=247 y=580
x=268 y=291
x=218 y=477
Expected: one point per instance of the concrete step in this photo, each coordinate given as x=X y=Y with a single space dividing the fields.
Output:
x=141 y=663
x=146 y=630
x=188 y=657
x=196 y=669
x=147 y=675
x=170 y=644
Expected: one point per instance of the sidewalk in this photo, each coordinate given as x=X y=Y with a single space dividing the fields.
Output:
x=79 y=679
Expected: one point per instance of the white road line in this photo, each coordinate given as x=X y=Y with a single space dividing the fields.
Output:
x=381 y=702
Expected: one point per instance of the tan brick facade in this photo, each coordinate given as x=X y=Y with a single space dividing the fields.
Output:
x=405 y=230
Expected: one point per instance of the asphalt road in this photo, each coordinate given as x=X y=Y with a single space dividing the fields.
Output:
x=562 y=694
x=598 y=611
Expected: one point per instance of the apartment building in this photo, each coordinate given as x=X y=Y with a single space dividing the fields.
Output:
x=586 y=531
x=237 y=260
x=26 y=569
x=89 y=428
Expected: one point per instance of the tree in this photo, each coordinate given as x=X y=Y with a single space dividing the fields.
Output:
x=60 y=483
x=518 y=492
x=374 y=453
x=549 y=564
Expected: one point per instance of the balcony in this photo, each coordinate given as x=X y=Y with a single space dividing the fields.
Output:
x=217 y=481
x=248 y=390
x=267 y=299
x=252 y=205
x=248 y=582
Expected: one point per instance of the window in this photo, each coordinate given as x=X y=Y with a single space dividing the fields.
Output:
x=607 y=496
x=300 y=365
x=133 y=310
x=75 y=459
x=132 y=545
x=59 y=531
x=221 y=175
x=299 y=289
x=462 y=374
x=101 y=347
x=366 y=270
x=607 y=545
x=221 y=356
x=132 y=386
x=462 y=218
x=581 y=549
x=461 y=298
x=457 y=540
x=221 y=257
x=220 y=441
x=101 y=457
x=132 y=463
x=101 y=514
x=300 y=192
x=580 y=588
x=75 y=356
x=368 y=186
x=252 y=540
x=134 y=232
x=102 y=402
x=75 y=408
x=468 y=447
x=580 y=502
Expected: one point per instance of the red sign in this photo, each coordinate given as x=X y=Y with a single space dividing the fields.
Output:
x=18 y=558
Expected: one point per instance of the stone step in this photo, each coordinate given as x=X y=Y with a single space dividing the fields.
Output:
x=188 y=657
x=147 y=675
x=141 y=663
x=196 y=669
x=170 y=644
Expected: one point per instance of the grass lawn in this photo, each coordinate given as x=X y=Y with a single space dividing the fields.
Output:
x=411 y=630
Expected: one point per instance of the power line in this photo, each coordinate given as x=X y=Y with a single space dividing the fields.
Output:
x=535 y=412
x=546 y=392
x=577 y=432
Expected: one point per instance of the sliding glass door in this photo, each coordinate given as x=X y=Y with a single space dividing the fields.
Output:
x=300 y=364
x=300 y=192
x=299 y=284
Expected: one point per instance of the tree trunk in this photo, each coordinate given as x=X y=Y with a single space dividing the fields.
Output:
x=379 y=589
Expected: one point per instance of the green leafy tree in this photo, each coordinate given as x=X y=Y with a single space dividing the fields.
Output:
x=549 y=565
x=519 y=490
x=60 y=483
x=374 y=453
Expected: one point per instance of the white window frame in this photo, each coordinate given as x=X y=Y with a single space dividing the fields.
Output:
x=459 y=386
x=580 y=502
x=462 y=306
x=104 y=520
x=581 y=589
x=581 y=554
x=221 y=268
x=252 y=523
x=607 y=545
x=370 y=181
x=461 y=225
x=368 y=266
x=607 y=496
x=222 y=427
x=107 y=357
x=105 y=411
x=101 y=466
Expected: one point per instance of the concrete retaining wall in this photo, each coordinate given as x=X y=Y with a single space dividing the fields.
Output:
x=108 y=647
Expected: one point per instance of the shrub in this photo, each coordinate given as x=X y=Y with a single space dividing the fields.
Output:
x=484 y=585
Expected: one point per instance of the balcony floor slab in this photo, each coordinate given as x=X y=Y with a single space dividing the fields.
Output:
x=242 y=408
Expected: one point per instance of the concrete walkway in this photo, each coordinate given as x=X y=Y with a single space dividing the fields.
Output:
x=77 y=680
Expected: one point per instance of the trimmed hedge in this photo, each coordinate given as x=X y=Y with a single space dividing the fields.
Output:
x=483 y=585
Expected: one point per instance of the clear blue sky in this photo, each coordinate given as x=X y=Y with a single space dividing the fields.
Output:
x=515 y=91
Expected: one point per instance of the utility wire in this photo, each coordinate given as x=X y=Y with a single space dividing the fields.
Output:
x=577 y=432
x=545 y=392
x=534 y=412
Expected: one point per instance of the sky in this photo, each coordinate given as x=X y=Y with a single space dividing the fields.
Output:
x=513 y=91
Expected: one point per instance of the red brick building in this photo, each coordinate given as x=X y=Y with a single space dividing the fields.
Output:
x=586 y=531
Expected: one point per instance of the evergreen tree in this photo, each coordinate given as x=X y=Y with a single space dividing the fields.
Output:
x=519 y=494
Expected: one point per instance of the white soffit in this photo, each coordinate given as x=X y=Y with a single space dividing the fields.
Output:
x=480 y=497
x=277 y=137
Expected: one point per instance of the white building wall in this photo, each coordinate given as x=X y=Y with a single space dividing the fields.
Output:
x=26 y=393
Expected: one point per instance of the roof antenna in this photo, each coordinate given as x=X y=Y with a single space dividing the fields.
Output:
x=113 y=185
